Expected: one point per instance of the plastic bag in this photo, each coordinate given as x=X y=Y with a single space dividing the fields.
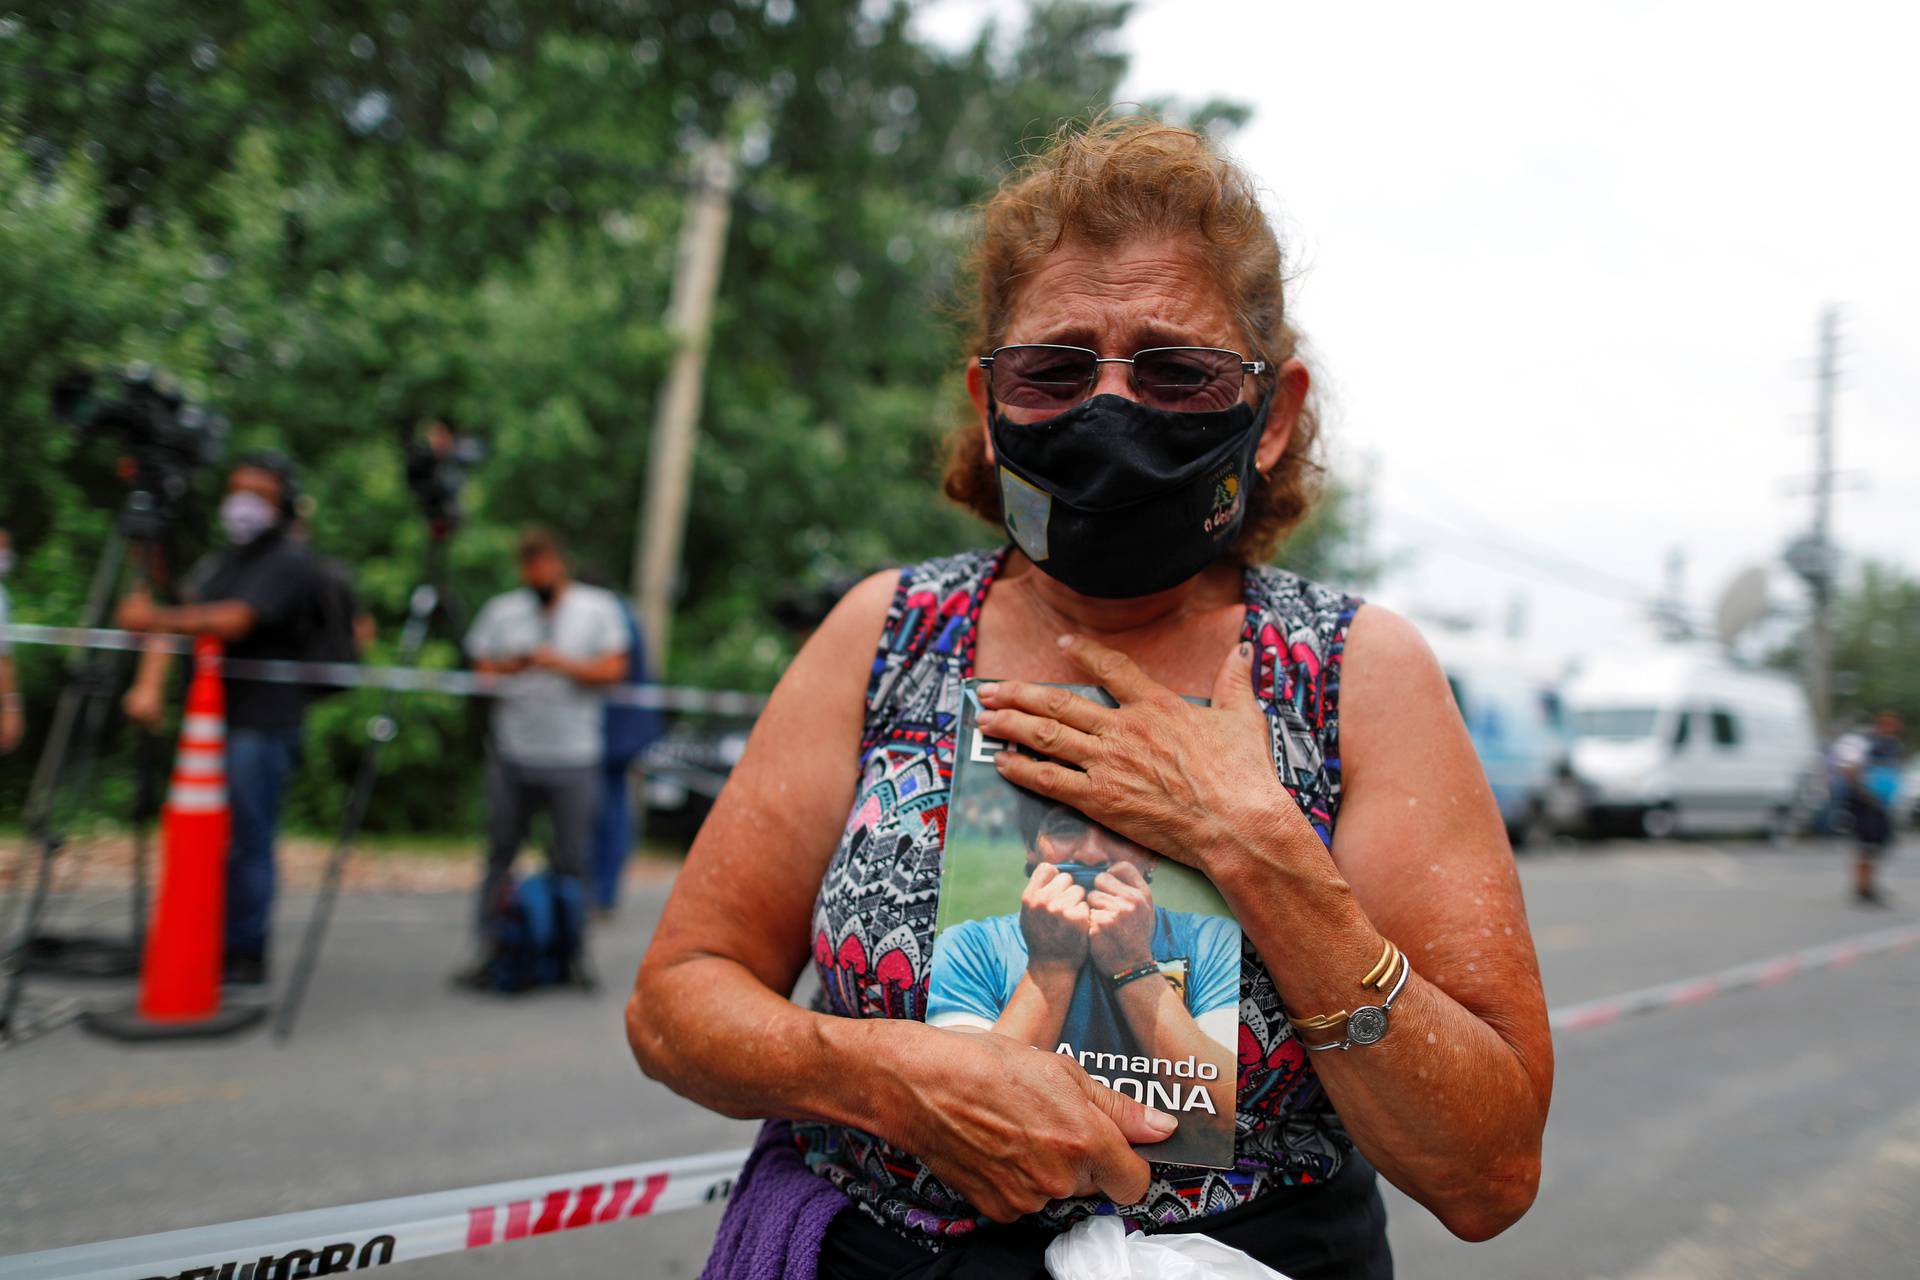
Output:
x=1101 y=1248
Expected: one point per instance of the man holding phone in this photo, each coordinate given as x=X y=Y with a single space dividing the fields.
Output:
x=566 y=642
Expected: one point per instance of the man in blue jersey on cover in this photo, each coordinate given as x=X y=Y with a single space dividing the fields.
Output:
x=1089 y=961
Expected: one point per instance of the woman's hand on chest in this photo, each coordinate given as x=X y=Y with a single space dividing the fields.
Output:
x=1196 y=784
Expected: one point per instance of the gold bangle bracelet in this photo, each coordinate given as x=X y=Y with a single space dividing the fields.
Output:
x=1377 y=977
x=1381 y=967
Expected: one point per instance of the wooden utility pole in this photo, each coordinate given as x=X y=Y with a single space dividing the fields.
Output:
x=1825 y=556
x=696 y=278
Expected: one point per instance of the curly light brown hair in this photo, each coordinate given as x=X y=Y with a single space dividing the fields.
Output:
x=1109 y=183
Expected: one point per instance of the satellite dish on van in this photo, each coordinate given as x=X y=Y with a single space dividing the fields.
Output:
x=1743 y=602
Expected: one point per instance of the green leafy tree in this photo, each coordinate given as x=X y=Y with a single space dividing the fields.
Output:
x=331 y=221
x=1876 y=646
x=1876 y=651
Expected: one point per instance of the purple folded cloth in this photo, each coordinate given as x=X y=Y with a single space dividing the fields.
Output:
x=776 y=1217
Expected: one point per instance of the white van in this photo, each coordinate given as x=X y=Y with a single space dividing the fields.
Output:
x=1680 y=740
x=1514 y=717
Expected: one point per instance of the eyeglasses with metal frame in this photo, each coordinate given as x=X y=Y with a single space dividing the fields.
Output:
x=1052 y=378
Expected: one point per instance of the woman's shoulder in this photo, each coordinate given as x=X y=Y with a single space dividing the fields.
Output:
x=862 y=611
x=1391 y=649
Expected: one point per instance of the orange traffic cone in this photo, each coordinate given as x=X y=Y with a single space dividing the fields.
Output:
x=180 y=975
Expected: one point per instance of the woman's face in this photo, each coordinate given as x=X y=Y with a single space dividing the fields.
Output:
x=1119 y=300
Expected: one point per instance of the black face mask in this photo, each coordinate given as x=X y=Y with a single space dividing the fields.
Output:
x=1117 y=499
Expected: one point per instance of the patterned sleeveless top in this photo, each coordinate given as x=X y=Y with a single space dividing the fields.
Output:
x=873 y=920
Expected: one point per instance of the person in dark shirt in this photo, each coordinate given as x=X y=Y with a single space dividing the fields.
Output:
x=1869 y=763
x=262 y=596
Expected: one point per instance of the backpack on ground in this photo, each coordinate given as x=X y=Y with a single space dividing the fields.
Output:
x=538 y=937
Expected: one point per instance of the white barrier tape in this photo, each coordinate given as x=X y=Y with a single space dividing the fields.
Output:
x=725 y=702
x=351 y=1237
x=357 y=1236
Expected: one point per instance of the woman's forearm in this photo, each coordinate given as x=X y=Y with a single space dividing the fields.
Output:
x=1443 y=1105
x=744 y=1050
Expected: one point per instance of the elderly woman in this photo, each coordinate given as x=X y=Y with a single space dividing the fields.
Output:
x=1143 y=433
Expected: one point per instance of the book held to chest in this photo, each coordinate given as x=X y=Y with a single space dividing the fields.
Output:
x=1068 y=936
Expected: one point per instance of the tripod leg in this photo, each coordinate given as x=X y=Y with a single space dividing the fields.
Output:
x=316 y=930
x=17 y=951
x=47 y=775
x=146 y=806
x=380 y=731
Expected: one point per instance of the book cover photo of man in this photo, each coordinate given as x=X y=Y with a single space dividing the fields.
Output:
x=1062 y=934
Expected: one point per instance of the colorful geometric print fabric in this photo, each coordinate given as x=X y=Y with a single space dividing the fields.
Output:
x=873 y=920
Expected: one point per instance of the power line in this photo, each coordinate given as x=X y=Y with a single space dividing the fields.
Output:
x=1510 y=555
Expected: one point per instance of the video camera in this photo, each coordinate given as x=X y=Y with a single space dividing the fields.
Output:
x=438 y=461
x=167 y=436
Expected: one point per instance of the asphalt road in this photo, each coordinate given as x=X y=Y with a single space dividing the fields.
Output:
x=1771 y=1132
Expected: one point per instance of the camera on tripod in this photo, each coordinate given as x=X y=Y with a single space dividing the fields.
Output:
x=438 y=461
x=167 y=436
x=166 y=439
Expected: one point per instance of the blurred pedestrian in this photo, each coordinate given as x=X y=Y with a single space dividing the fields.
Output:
x=566 y=641
x=1868 y=761
x=13 y=721
x=628 y=730
x=265 y=596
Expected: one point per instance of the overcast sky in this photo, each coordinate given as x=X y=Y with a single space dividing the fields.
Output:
x=1563 y=269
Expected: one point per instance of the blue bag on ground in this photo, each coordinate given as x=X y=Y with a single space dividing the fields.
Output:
x=538 y=937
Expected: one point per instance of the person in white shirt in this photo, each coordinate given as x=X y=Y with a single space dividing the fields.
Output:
x=566 y=642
